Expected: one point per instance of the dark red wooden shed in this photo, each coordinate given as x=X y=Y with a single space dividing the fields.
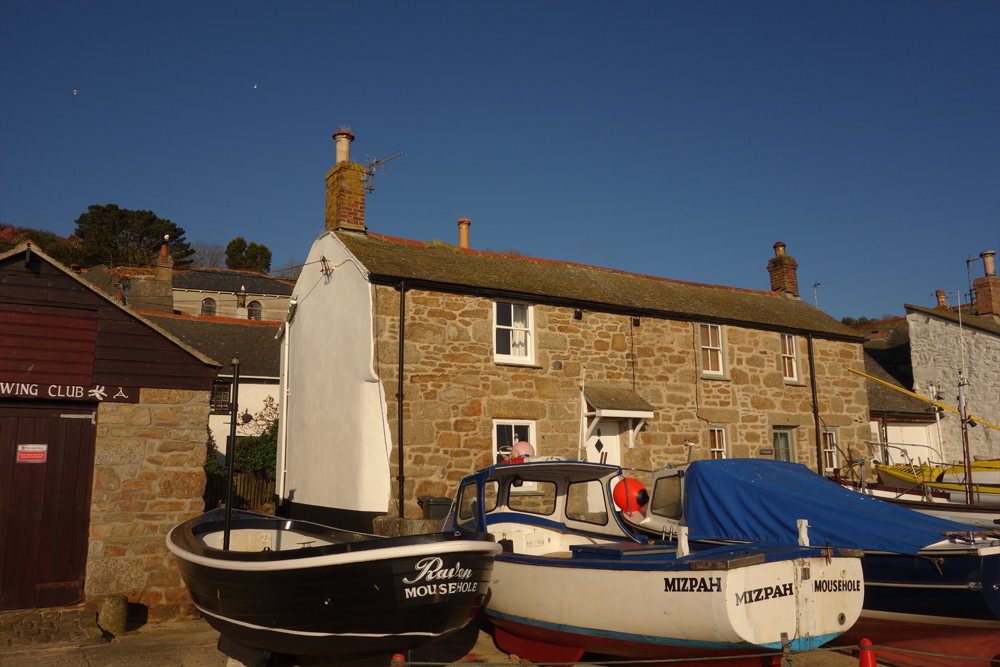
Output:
x=66 y=348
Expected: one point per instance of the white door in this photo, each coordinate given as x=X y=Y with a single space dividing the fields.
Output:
x=603 y=447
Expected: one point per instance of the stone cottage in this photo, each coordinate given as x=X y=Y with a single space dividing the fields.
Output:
x=457 y=354
x=103 y=419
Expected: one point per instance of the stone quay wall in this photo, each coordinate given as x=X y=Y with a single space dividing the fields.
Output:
x=148 y=476
x=453 y=389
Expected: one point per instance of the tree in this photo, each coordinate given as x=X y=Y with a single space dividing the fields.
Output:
x=290 y=270
x=208 y=255
x=65 y=250
x=119 y=237
x=247 y=257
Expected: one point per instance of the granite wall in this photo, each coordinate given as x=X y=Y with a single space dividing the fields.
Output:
x=453 y=389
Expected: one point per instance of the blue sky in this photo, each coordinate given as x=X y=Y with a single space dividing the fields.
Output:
x=675 y=139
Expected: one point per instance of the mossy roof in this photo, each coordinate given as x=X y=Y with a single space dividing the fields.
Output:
x=975 y=321
x=460 y=269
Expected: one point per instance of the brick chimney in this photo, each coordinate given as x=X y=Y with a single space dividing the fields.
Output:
x=463 y=232
x=165 y=264
x=345 y=189
x=988 y=289
x=783 y=268
x=942 y=298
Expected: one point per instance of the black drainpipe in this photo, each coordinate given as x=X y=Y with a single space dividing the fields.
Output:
x=399 y=393
x=812 y=378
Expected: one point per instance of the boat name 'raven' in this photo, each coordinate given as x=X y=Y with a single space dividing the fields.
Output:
x=431 y=568
x=692 y=585
x=765 y=593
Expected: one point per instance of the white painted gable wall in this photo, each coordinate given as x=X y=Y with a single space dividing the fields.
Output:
x=338 y=443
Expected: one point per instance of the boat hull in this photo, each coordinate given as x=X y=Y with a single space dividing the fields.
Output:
x=350 y=600
x=655 y=614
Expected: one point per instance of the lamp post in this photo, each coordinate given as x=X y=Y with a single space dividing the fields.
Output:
x=231 y=449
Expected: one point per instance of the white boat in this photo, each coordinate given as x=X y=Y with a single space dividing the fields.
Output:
x=573 y=578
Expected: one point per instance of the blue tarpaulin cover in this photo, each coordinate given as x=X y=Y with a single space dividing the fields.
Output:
x=751 y=500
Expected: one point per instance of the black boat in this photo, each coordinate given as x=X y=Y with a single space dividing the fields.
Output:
x=300 y=588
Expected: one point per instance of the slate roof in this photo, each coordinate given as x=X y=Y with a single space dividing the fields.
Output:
x=986 y=324
x=463 y=269
x=254 y=345
x=228 y=280
x=892 y=365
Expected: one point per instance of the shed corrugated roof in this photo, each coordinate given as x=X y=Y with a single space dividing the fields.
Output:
x=450 y=266
x=228 y=280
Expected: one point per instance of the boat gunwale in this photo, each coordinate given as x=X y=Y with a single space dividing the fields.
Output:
x=183 y=542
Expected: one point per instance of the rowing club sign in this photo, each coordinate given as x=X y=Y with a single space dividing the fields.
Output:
x=70 y=392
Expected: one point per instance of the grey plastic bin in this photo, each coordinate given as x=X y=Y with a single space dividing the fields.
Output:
x=434 y=507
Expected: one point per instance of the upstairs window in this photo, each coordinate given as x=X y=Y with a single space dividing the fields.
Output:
x=512 y=324
x=254 y=310
x=220 y=398
x=830 y=458
x=711 y=349
x=789 y=362
x=717 y=442
x=208 y=307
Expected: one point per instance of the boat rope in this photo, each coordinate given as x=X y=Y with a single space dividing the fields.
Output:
x=924 y=398
x=662 y=661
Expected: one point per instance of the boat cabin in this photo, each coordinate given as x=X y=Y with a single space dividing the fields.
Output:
x=544 y=507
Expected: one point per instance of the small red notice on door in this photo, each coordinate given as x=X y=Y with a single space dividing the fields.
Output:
x=32 y=453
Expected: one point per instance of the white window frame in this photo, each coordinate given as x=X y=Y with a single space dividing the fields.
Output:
x=215 y=306
x=527 y=487
x=718 y=442
x=259 y=309
x=529 y=358
x=789 y=358
x=775 y=430
x=718 y=350
x=830 y=452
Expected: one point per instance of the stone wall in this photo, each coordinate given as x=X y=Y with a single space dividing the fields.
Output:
x=41 y=626
x=453 y=389
x=938 y=352
x=148 y=477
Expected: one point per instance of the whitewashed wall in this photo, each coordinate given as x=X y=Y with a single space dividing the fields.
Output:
x=919 y=441
x=936 y=352
x=252 y=396
x=335 y=443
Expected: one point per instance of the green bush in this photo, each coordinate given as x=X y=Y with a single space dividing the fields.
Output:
x=258 y=454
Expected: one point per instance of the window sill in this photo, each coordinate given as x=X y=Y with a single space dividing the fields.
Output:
x=527 y=364
x=795 y=383
x=707 y=376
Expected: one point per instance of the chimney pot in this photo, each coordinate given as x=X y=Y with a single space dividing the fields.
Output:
x=779 y=249
x=942 y=298
x=343 y=139
x=163 y=246
x=463 y=232
x=987 y=256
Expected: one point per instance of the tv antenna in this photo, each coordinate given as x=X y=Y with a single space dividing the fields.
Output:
x=373 y=165
x=816 y=294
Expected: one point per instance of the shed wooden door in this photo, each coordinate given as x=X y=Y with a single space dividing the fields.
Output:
x=44 y=506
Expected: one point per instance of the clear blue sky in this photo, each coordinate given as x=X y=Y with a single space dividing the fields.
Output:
x=674 y=139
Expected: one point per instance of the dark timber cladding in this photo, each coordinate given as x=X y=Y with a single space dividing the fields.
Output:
x=56 y=329
x=45 y=506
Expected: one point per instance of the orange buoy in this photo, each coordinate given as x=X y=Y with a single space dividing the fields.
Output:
x=630 y=495
x=867 y=654
x=398 y=660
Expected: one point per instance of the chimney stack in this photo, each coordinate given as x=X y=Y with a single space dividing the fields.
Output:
x=345 y=189
x=942 y=298
x=463 y=232
x=165 y=264
x=988 y=289
x=783 y=268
